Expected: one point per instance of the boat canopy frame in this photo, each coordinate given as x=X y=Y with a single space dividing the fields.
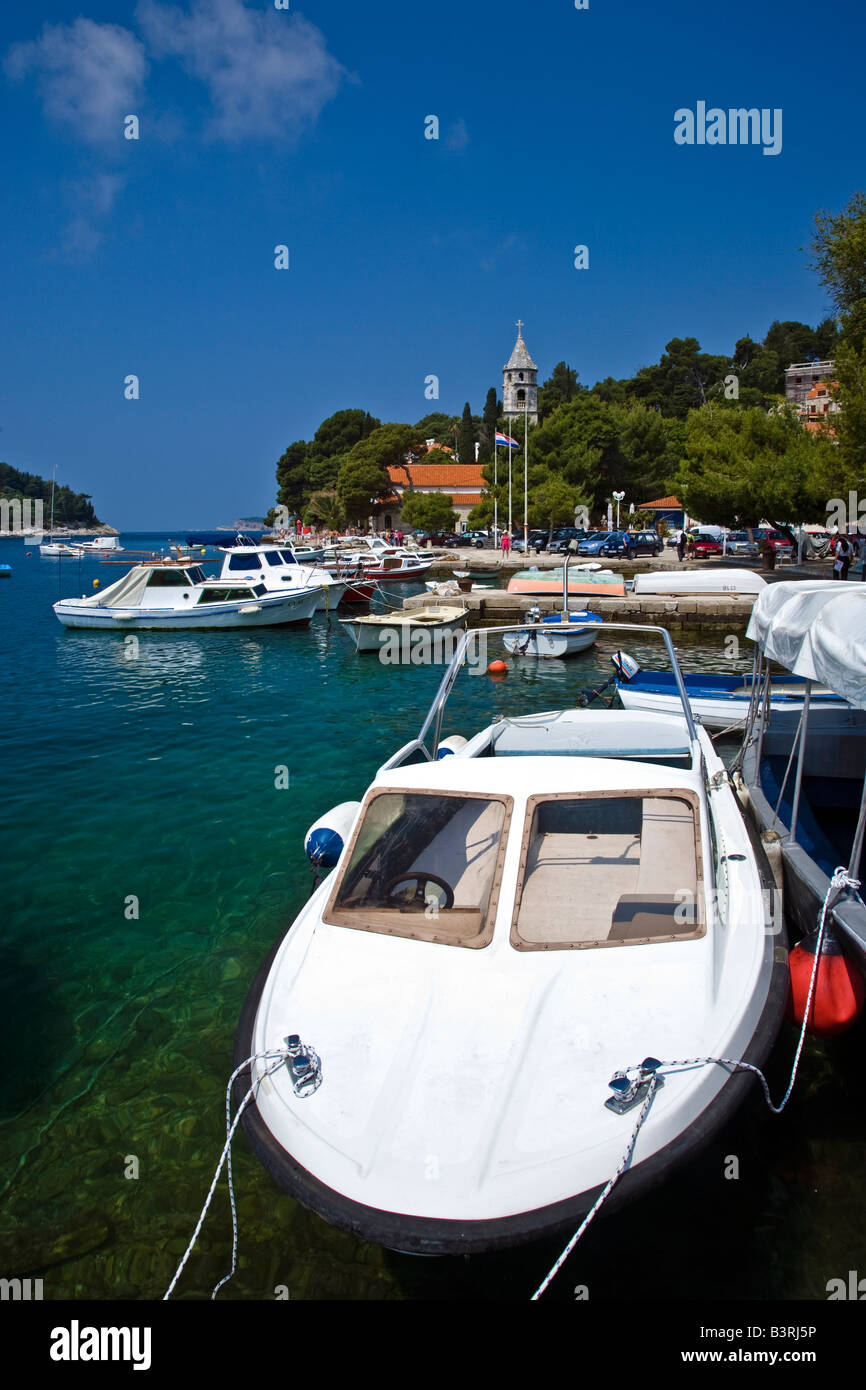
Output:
x=432 y=724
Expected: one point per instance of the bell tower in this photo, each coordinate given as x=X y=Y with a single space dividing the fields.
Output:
x=520 y=382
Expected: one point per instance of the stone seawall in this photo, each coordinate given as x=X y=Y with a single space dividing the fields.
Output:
x=696 y=611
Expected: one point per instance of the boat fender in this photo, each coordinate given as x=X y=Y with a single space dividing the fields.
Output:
x=839 y=987
x=497 y=668
x=451 y=745
x=324 y=841
x=772 y=843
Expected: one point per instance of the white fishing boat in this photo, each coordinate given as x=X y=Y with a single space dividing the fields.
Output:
x=722 y=702
x=407 y=636
x=180 y=597
x=474 y=1003
x=704 y=581
x=278 y=569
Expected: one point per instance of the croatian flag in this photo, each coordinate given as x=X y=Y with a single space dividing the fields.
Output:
x=506 y=440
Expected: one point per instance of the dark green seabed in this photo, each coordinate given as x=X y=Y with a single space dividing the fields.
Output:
x=154 y=778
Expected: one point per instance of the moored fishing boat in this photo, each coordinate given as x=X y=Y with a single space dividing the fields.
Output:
x=559 y=634
x=414 y=633
x=169 y=596
x=497 y=942
x=720 y=702
x=277 y=568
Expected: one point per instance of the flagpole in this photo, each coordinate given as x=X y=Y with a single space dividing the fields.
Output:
x=510 y=457
x=495 y=488
x=525 y=477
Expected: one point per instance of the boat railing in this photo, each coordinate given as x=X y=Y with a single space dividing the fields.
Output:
x=433 y=720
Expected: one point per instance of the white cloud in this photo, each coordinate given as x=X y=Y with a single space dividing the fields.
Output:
x=268 y=74
x=89 y=75
x=92 y=200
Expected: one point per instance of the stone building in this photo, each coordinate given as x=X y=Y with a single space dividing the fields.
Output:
x=520 y=383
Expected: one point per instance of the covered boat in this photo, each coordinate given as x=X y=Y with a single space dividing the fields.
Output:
x=179 y=597
x=807 y=783
x=497 y=941
x=731 y=582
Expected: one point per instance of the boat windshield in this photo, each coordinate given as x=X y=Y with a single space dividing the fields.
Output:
x=424 y=865
x=609 y=869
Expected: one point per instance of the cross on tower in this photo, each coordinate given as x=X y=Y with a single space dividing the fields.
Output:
x=519 y=327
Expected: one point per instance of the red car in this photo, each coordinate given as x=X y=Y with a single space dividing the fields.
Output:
x=704 y=544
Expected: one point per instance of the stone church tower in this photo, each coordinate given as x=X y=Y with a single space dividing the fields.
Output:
x=520 y=382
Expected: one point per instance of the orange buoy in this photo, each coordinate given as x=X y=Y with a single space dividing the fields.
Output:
x=497 y=668
x=837 y=1001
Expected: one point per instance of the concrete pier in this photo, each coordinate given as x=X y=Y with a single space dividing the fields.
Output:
x=697 y=611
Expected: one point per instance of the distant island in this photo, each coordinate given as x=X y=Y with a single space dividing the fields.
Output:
x=72 y=510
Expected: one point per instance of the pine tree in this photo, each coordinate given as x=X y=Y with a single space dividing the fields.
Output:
x=466 y=437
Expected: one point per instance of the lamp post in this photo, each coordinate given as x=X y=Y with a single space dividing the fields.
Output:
x=617 y=497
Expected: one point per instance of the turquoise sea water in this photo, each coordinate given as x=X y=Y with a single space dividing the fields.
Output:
x=153 y=779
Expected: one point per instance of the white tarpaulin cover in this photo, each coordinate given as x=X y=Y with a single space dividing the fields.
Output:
x=816 y=628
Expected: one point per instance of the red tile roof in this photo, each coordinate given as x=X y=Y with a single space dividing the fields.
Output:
x=438 y=475
x=661 y=502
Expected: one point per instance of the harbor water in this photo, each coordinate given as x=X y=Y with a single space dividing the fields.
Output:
x=155 y=799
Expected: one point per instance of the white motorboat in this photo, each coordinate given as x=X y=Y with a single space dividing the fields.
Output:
x=278 y=569
x=170 y=596
x=722 y=702
x=499 y=941
x=704 y=581
x=559 y=634
x=408 y=637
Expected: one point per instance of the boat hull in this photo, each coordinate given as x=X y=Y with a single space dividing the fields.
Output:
x=418 y=1235
x=557 y=640
x=415 y=639
x=280 y=611
x=714 y=703
x=584 y=584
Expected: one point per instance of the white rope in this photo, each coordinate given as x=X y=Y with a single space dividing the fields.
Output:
x=840 y=880
x=280 y=1054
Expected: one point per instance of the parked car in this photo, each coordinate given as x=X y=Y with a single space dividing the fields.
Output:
x=537 y=541
x=594 y=543
x=562 y=538
x=633 y=543
x=436 y=537
x=703 y=543
x=738 y=543
x=478 y=539
x=784 y=548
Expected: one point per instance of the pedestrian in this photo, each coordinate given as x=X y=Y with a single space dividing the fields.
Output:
x=681 y=544
x=844 y=551
x=505 y=543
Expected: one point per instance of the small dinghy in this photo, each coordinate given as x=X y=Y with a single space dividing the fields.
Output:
x=720 y=702
x=559 y=634
x=584 y=581
x=704 y=581
x=407 y=636
x=498 y=942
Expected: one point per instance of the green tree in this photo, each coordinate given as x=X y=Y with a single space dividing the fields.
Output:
x=682 y=380
x=561 y=386
x=363 y=479
x=438 y=426
x=743 y=466
x=839 y=257
x=466 y=437
x=489 y=424
x=552 y=503
x=428 y=511
x=325 y=511
x=292 y=476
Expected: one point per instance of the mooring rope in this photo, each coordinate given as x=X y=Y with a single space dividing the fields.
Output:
x=840 y=880
x=281 y=1055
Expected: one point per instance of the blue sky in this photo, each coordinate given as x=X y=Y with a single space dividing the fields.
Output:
x=408 y=256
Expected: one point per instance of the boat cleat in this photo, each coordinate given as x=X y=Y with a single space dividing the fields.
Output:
x=631 y=1090
x=305 y=1066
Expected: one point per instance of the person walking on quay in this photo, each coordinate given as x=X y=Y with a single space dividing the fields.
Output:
x=505 y=543
x=681 y=544
x=844 y=551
